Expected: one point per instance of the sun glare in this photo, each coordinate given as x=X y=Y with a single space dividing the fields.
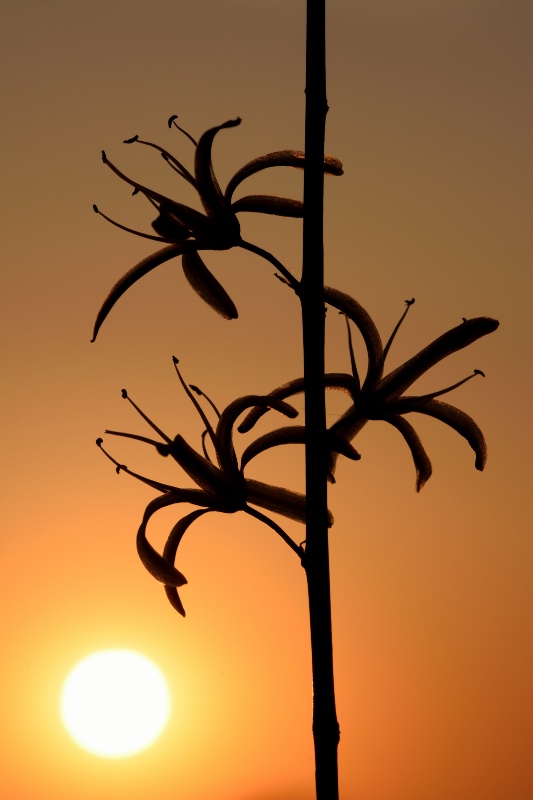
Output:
x=115 y=703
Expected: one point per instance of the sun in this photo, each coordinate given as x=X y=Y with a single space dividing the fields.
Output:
x=115 y=703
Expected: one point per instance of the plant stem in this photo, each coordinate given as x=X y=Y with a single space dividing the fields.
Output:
x=325 y=725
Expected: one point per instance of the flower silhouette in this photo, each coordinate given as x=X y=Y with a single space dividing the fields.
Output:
x=381 y=397
x=187 y=231
x=221 y=485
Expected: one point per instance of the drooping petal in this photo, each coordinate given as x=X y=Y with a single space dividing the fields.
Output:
x=460 y=422
x=206 y=182
x=154 y=562
x=397 y=381
x=205 y=474
x=170 y=550
x=206 y=285
x=333 y=380
x=269 y=204
x=294 y=434
x=420 y=457
x=282 y=501
x=364 y=322
x=281 y=158
x=224 y=432
x=132 y=276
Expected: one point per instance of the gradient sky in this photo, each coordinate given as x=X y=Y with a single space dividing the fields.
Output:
x=429 y=112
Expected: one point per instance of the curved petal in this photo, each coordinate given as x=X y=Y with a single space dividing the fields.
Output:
x=206 y=285
x=224 y=431
x=294 y=434
x=362 y=319
x=220 y=486
x=281 y=158
x=282 y=501
x=206 y=182
x=269 y=204
x=396 y=382
x=420 y=457
x=170 y=550
x=333 y=380
x=132 y=276
x=155 y=563
x=460 y=422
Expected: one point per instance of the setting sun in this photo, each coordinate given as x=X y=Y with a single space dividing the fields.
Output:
x=115 y=703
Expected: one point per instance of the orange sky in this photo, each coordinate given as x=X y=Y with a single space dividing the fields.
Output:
x=431 y=592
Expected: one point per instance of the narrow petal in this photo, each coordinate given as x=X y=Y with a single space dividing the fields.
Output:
x=333 y=380
x=224 y=432
x=460 y=422
x=132 y=276
x=269 y=204
x=205 y=474
x=396 y=382
x=281 y=501
x=363 y=321
x=294 y=434
x=420 y=457
x=206 y=182
x=170 y=550
x=281 y=158
x=154 y=562
x=206 y=285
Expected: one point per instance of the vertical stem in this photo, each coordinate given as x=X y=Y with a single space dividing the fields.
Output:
x=325 y=725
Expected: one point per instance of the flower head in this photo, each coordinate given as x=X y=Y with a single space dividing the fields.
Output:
x=218 y=474
x=186 y=231
x=382 y=397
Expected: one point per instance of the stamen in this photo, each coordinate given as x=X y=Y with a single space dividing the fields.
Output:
x=204 y=448
x=194 y=401
x=408 y=304
x=203 y=394
x=147 y=419
x=131 y=230
x=350 y=348
x=172 y=121
x=169 y=158
x=137 y=437
x=162 y=487
x=432 y=395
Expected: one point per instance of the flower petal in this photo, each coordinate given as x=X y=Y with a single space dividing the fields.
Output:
x=460 y=422
x=396 y=382
x=420 y=457
x=224 y=432
x=206 y=285
x=282 y=501
x=170 y=550
x=362 y=319
x=294 y=434
x=333 y=380
x=132 y=276
x=206 y=182
x=281 y=158
x=205 y=474
x=154 y=562
x=269 y=204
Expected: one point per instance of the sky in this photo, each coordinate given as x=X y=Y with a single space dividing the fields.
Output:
x=431 y=592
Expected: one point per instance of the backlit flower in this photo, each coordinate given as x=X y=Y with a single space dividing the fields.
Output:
x=382 y=397
x=220 y=482
x=186 y=231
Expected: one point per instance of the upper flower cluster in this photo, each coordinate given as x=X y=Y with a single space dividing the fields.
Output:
x=187 y=231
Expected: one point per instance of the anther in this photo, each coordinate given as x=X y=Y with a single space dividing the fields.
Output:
x=130 y=141
x=104 y=157
x=95 y=208
x=124 y=394
x=479 y=372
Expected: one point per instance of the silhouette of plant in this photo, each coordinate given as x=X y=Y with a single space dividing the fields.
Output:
x=217 y=471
